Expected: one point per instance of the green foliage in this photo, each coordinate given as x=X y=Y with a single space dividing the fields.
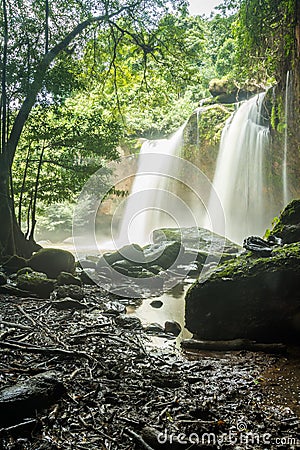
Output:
x=264 y=33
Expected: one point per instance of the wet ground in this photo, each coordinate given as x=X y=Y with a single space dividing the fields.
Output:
x=126 y=390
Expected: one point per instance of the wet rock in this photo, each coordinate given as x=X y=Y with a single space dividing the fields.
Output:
x=13 y=264
x=154 y=328
x=88 y=276
x=87 y=264
x=73 y=291
x=248 y=297
x=172 y=327
x=37 y=283
x=23 y=399
x=68 y=278
x=128 y=322
x=3 y=279
x=287 y=227
x=156 y=304
x=114 y=308
x=198 y=239
x=163 y=254
x=132 y=253
x=155 y=269
x=68 y=303
x=52 y=261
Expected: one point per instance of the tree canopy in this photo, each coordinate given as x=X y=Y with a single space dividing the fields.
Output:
x=79 y=79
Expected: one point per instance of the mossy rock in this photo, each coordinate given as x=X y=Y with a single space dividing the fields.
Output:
x=73 y=291
x=199 y=239
x=163 y=254
x=132 y=253
x=287 y=227
x=52 y=261
x=36 y=283
x=248 y=297
x=65 y=278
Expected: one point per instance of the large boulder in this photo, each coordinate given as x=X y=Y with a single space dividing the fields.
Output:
x=248 y=297
x=163 y=254
x=131 y=253
x=251 y=296
x=200 y=244
x=52 y=261
x=287 y=226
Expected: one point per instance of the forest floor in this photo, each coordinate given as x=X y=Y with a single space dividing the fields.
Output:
x=120 y=391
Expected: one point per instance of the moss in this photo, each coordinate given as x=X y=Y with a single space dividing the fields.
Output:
x=211 y=123
x=247 y=265
x=287 y=226
x=52 y=261
x=37 y=283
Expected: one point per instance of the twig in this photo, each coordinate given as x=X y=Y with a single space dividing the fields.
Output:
x=26 y=315
x=96 y=430
x=44 y=328
x=45 y=350
x=138 y=438
x=15 y=325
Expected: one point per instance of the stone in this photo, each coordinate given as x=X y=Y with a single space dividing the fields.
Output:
x=25 y=398
x=36 y=283
x=114 y=308
x=52 y=261
x=73 y=291
x=287 y=226
x=248 y=297
x=128 y=322
x=87 y=264
x=68 y=278
x=87 y=276
x=3 y=279
x=132 y=253
x=68 y=303
x=198 y=239
x=154 y=328
x=172 y=327
x=156 y=304
x=163 y=254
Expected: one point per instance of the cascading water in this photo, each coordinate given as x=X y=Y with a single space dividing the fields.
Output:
x=146 y=212
x=286 y=195
x=240 y=178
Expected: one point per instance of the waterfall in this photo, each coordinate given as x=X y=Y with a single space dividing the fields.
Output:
x=286 y=196
x=146 y=208
x=240 y=179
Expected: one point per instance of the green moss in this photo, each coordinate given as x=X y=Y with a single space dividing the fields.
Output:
x=247 y=265
x=52 y=261
x=211 y=123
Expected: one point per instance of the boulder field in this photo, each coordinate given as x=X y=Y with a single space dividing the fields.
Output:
x=250 y=296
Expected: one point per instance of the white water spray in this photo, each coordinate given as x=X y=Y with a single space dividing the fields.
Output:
x=240 y=180
x=286 y=195
x=145 y=208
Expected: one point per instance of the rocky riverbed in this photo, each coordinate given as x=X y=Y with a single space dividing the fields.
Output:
x=77 y=371
x=87 y=376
